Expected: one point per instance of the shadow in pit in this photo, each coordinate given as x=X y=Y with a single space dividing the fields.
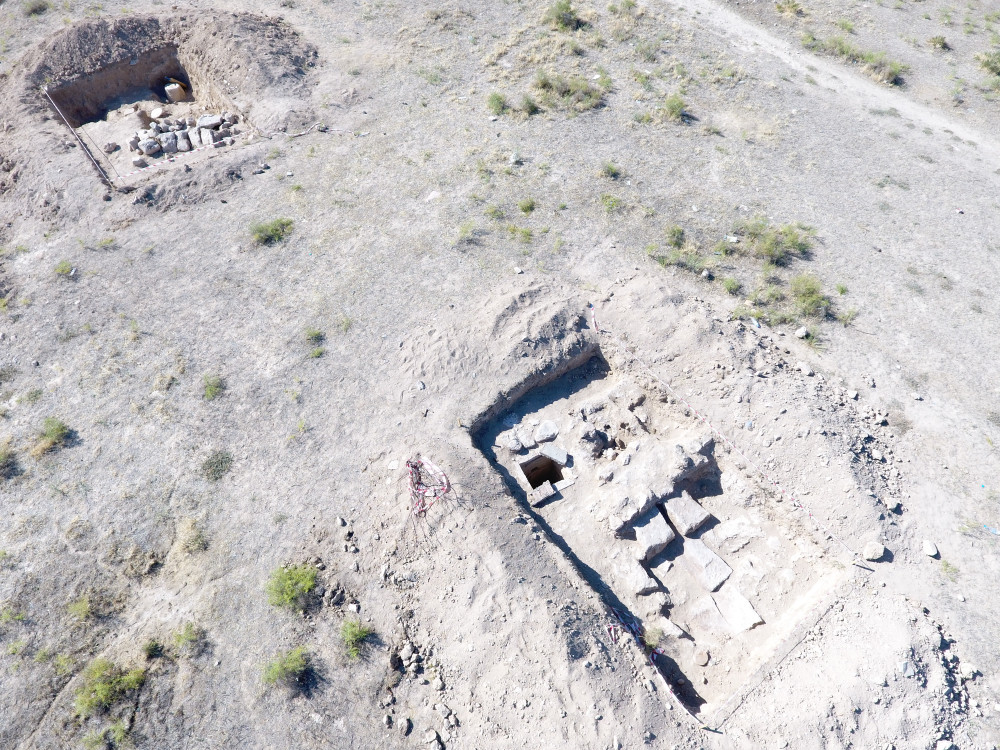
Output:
x=563 y=387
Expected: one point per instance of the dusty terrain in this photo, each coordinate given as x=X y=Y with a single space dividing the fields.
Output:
x=692 y=257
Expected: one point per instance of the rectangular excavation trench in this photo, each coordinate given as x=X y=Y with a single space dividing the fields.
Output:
x=109 y=105
x=697 y=553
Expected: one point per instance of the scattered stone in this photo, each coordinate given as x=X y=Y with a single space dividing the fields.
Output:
x=805 y=369
x=930 y=549
x=168 y=142
x=157 y=113
x=183 y=142
x=175 y=92
x=387 y=720
x=547 y=430
x=686 y=514
x=873 y=551
x=513 y=444
x=149 y=147
x=138 y=161
x=541 y=493
x=652 y=533
x=438 y=683
x=209 y=121
x=527 y=441
x=945 y=745
x=917 y=397
x=907 y=669
x=853 y=395
x=133 y=143
x=110 y=148
x=554 y=452
x=404 y=726
x=594 y=441
x=701 y=657
x=802 y=333
x=710 y=570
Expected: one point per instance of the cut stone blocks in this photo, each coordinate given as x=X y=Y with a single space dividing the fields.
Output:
x=686 y=514
x=556 y=453
x=630 y=573
x=542 y=492
x=710 y=570
x=652 y=533
x=736 y=609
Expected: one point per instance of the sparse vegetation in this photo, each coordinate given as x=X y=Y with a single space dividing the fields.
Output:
x=674 y=108
x=191 y=536
x=271 y=232
x=189 y=639
x=8 y=461
x=152 y=649
x=354 y=634
x=527 y=205
x=846 y=26
x=289 y=587
x=611 y=203
x=316 y=353
x=951 y=571
x=874 y=64
x=563 y=16
x=808 y=294
x=675 y=236
x=776 y=245
x=529 y=106
x=496 y=103
x=731 y=285
x=288 y=667
x=215 y=386
x=217 y=465
x=841 y=289
x=611 y=170
x=104 y=684
x=81 y=608
x=55 y=434
x=790 y=8
x=939 y=42
x=990 y=62
x=315 y=336
x=494 y=212
x=64 y=268
x=36 y=7
x=575 y=93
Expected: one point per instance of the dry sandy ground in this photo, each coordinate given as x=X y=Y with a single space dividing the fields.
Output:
x=445 y=322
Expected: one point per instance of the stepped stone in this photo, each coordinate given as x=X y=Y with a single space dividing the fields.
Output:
x=652 y=533
x=685 y=514
x=710 y=570
x=736 y=609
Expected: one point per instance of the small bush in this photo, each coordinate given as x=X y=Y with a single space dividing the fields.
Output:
x=494 y=212
x=215 y=386
x=55 y=434
x=845 y=25
x=527 y=205
x=315 y=336
x=8 y=462
x=153 y=649
x=675 y=236
x=939 y=42
x=809 y=298
x=192 y=537
x=288 y=668
x=81 y=609
x=875 y=64
x=271 y=232
x=104 y=684
x=118 y=733
x=63 y=268
x=354 y=634
x=318 y=352
x=36 y=7
x=790 y=8
x=673 y=108
x=989 y=61
x=687 y=258
x=611 y=203
x=611 y=171
x=563 y=16
x=841 y=289
x=576 y=92
x=63 y=664
x=290 y=587
x=731 y=285
x=217 y=465
x=496 y=103
x=189 y=639
x=529 y=106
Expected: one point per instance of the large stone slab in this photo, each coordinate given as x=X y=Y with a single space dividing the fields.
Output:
x=629 y=573
x=652 y=533
x=686 y=514
x=736 y=609
x=704 y=619
x=710 y=570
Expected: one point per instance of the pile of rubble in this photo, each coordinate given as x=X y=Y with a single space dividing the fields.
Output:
x=163 y=135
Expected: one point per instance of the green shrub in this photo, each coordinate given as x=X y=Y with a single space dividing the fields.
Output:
x=776 y=245
x=153 y=649
x=215 y=386
x=119 y=734
x=808 y=294
x=529 y=106
x=841 y=289
x=989 y=61
x=104 y=684
x=217 y=465
x=611 y=203
x=63 y=664
x=290 y=586
x=192 y=537
x=496 y=103
x=939 y=42
x=318 y=352
x=687 y=258
x=527 y=205
x=673 y=108
x=288 y=667
x=189 y=639
x=563 y=16
x=8 y=462
x=575 y=92
x=81 y=609
x=731 y=285
x=55 y=434
x=611 y=171
x=875 y=64
x=64 y=268
x=315 y=336
x=36 y=7
x=354 y=635
x=675 y=236
x=271 y=232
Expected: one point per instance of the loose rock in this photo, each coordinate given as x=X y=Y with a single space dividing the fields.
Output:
x=930 y=549
x=874 y=551
x=547 y=430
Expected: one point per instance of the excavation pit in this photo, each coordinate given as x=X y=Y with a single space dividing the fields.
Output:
x=665 y=526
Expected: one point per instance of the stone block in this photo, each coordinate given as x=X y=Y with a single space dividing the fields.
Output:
x=556 y=453
x=705 y=619
x=547 y=430
x=542 y=492
x=710 y=570
x=652 y=533
x=209 y=121
x=175 y=92
x=736 y=609
x=685 y=514
x=631 y=576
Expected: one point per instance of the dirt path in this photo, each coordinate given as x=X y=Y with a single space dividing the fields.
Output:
x=833 y=76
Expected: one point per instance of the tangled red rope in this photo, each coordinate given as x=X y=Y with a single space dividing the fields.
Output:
x=428 y=484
